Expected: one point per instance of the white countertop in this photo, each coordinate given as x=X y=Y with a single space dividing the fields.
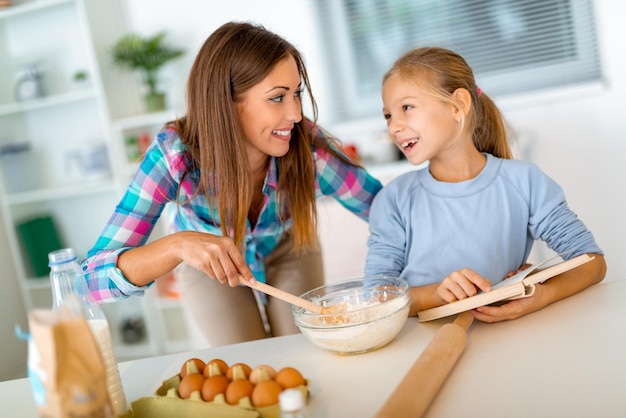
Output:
x=568 y=360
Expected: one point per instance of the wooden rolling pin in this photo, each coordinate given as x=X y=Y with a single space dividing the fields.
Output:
x=420 y=385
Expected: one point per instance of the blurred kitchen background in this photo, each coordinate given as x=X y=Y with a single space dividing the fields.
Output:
x=73 y=124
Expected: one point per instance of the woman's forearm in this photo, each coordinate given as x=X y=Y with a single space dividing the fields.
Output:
x=145 y=264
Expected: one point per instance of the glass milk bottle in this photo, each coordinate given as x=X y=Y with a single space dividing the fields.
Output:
x=69 y=285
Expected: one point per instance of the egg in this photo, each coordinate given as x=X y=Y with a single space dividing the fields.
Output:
x=266 y=393
x=237 y=389
x=261 y=373
x=213 y=386
x=215 y=366
x=238 y=371
x=288 y=377
x=191 y=383
x=193 y=365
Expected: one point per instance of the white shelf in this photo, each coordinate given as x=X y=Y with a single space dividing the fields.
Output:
x=80 y=32
x=62 y=192
x=148 y=123
x=38 y=283
x=125 y=352
x=162 y=302
x=31 y=7
x=176 y=346
x=145 y=120
x=48 y=101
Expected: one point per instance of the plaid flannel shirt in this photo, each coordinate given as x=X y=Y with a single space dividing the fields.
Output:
x=154 y=190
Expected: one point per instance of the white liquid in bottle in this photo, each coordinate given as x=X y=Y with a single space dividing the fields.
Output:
x=69 y=288
x=102 y=334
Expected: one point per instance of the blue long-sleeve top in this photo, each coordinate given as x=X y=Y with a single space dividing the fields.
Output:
x=422 y=229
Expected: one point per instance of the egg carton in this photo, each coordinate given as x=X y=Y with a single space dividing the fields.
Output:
x=169 y=404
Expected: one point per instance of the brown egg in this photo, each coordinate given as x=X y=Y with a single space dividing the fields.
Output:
x=288 y=377
x=238 y=371
x=214 y=366
x=189 y=384
x=192 y=365
x=237 y=389
x=266 y=393
x=261 y=373
x=213 y=386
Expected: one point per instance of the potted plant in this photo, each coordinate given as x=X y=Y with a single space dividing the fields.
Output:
x=80 y=78
x=147 y=55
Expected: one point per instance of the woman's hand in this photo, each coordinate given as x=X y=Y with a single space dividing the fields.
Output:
x=216 y=256
x=462 y=284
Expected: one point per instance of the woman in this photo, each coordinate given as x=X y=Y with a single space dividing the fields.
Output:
x=241 y=173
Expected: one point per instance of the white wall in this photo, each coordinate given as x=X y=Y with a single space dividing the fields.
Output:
x=13 y=351
x=579 y=141
x=188 y=24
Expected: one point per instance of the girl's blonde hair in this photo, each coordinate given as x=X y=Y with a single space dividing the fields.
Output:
x=440 y=72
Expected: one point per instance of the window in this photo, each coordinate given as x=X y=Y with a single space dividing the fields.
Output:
x=513 y=46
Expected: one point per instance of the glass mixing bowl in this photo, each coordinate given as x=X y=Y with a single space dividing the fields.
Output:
x=359 y=315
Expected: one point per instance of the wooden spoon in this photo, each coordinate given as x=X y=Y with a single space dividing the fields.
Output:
x=282 y=295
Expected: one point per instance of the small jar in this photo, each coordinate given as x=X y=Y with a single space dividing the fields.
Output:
x=19 y=167
x=291 y=403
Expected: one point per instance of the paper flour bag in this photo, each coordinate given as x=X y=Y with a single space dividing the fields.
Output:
x=66 y=368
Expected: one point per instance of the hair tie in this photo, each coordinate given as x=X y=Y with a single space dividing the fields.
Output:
x=478 y=91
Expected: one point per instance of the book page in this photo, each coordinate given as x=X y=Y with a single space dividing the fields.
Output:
x=524 y=273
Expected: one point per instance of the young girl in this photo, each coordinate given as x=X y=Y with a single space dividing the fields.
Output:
x=240 y=174
x=471 y=217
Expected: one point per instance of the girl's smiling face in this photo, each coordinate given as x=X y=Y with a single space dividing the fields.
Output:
x=420 y=125
x=269 y=111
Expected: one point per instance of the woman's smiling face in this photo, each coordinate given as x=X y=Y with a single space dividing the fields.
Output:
x=420 y=125
x=270 y=109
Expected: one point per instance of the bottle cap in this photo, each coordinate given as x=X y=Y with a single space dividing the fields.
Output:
x=61 y=256
x=291 y=400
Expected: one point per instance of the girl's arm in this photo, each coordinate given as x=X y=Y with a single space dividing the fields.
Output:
x=557 y=288
x=424 y=297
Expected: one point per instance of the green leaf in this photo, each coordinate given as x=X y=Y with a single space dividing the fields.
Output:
x=147 y=55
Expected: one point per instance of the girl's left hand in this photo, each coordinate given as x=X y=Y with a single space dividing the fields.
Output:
x=522 y=268
x=510 y=310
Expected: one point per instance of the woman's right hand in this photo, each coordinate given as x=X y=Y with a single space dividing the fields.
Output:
x=216 y=256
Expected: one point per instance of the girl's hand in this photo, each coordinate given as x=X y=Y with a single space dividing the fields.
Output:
x=216 y=256
x=462 y=284
x=512 y=309
x=522 y=268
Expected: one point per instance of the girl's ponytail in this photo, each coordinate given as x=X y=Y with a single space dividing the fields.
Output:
x=490 y=134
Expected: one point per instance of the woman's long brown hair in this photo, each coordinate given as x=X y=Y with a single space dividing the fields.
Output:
x=232 y=60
